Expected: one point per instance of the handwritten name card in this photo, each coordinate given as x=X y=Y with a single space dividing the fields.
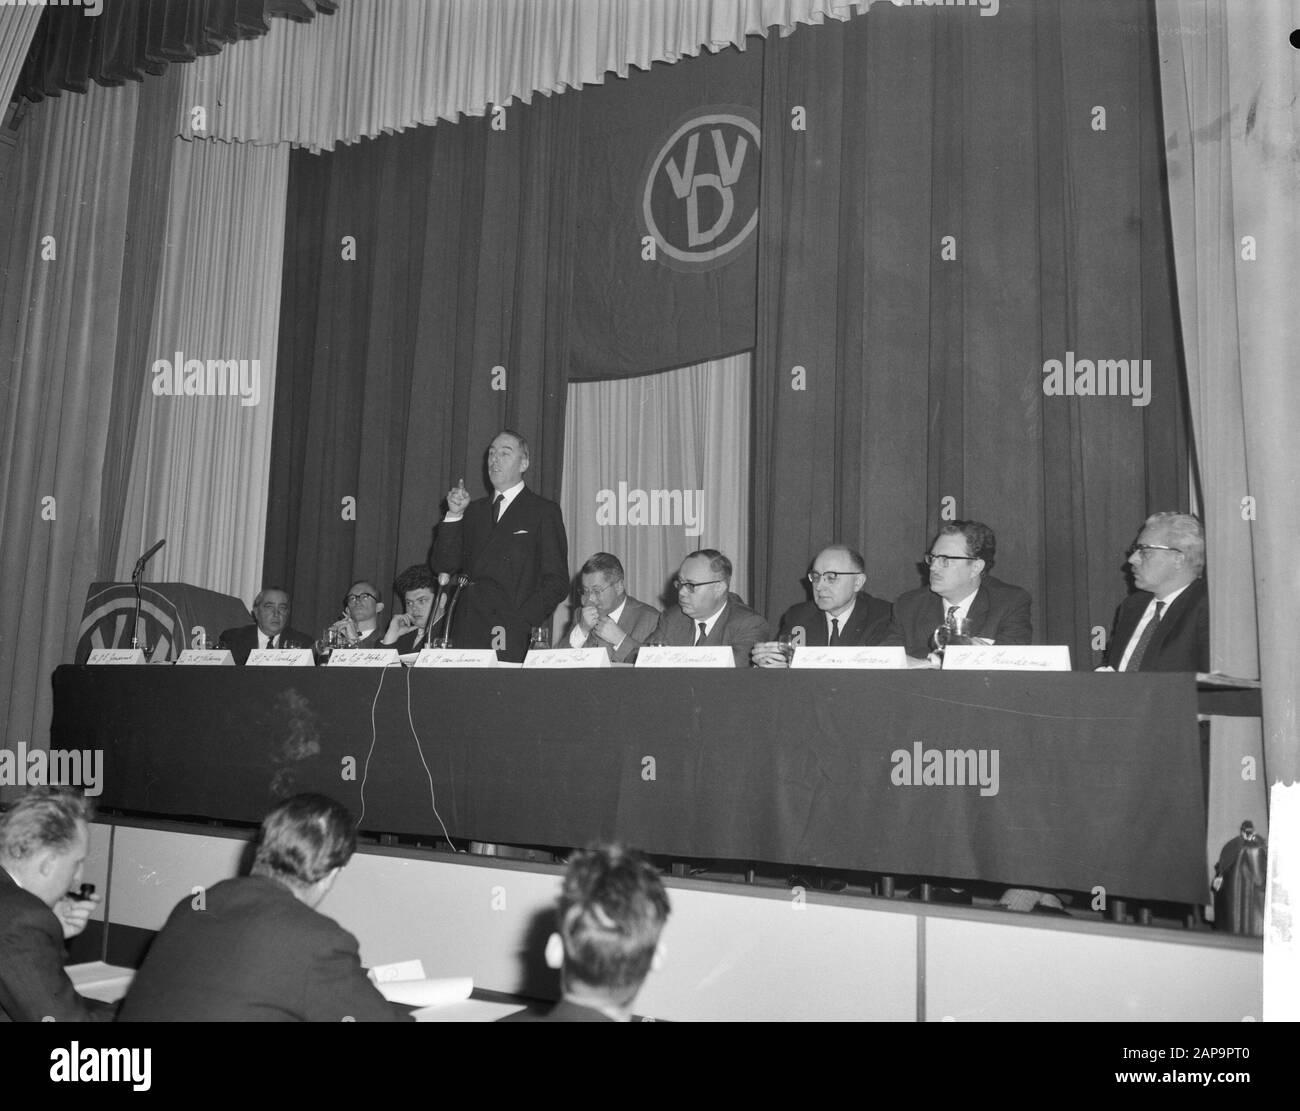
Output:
x=1006 y=657
x=715 y=655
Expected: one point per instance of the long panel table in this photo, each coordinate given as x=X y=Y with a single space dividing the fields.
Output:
x=1069 y=780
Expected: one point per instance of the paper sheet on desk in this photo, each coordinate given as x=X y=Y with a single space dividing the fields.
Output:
x=428 y=993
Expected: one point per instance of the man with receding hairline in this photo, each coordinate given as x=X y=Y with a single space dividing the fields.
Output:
x=44 y=839
x=270 y=628
x=841 y=614
x=708 y=613
x=608 y=919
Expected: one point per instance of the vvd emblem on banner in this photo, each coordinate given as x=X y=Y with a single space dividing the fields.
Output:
x=700 y=193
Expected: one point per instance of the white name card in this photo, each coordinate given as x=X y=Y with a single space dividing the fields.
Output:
x=850 y=656
x=567 y=657
x=206 y=657
x=1006 y=657
x=456 y=657
x=280 y=657
x=707 y=655
x=116 y=656
x=363 y=657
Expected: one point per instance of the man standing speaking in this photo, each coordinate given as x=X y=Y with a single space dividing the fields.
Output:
x=513 y=548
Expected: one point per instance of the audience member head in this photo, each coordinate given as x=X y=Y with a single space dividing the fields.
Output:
x=303 y=843
x=1168 y=554
x=610 y=914
x=44 y=838
x=602 y=583
x=271 y=610
x=702 y=583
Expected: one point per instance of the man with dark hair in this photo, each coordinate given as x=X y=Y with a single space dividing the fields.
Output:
x=417 y=588
x=44 y=838
x=608 y=919
x=707 y=612
x=360 y=623
x=841 y=613
x=514 y=549
x=270 y=628
x=1165 y=624
x=610 y=618
x=255 y=948
x=961 y=589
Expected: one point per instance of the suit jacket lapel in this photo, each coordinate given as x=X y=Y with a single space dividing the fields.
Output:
x=979 y=612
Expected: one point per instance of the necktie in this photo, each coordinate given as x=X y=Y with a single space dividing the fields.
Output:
x=270 y=642
x=951 y=619
x=835 y=631
x=704 y=632
x=1144 y=641
x=496 y=508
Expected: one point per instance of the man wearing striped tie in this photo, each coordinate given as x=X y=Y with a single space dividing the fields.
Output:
x=1165 y=624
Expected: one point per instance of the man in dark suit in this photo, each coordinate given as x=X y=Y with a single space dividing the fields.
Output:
x=610 y=618
x=841 y=613
x=254 y=949
x=270 y=629
x=707 y=612
x=361 y=624
x=418 y=590
x=610 y=914
x=44 y=838
x=513 y=548
x=961 y=588
x=1165 y=625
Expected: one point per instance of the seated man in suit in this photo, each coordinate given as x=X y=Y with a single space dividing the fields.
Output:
x=43 y=843
x=417 y=588
x=1165 y=625
x=514 y=549
x=271 y=629
x=961 y=588
x=840 y=614
x=610 y=913
x=255 y=949
x=707 y=612
x=360 y=623
x=610 y=618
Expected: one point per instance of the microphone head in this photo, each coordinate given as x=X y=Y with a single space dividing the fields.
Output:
x=444 y=579
x=462 y=579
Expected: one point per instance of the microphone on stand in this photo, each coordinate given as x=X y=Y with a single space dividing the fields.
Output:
x=431 y=620
x=136 y=576
x=462 y=581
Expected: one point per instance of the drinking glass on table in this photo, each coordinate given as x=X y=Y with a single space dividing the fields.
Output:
x=785 y=642
x=541 y=637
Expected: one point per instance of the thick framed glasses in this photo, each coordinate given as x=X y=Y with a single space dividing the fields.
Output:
x=353 y=599
x=594 y=591
x=690 y=587
x=816 y=577
x=943 y=562
x=1142 y=550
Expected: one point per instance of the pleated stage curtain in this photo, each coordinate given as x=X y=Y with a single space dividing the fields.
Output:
x=17 y=26
x=109 y=42
x=656 y=467
x=202 y=448
x=380 y=66
x=66 y=310
x=971 y=199
x=1229 y=82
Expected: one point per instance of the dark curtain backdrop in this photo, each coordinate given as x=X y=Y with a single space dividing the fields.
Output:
x=924 y=376
x=478 y=248
x=132 y=38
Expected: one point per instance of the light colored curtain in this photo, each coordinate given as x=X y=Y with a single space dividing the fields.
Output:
x=384 y=65
x=640 y=452
x=17 y=26
x=1229 y=83
x=200 y=465
x=62 y=243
